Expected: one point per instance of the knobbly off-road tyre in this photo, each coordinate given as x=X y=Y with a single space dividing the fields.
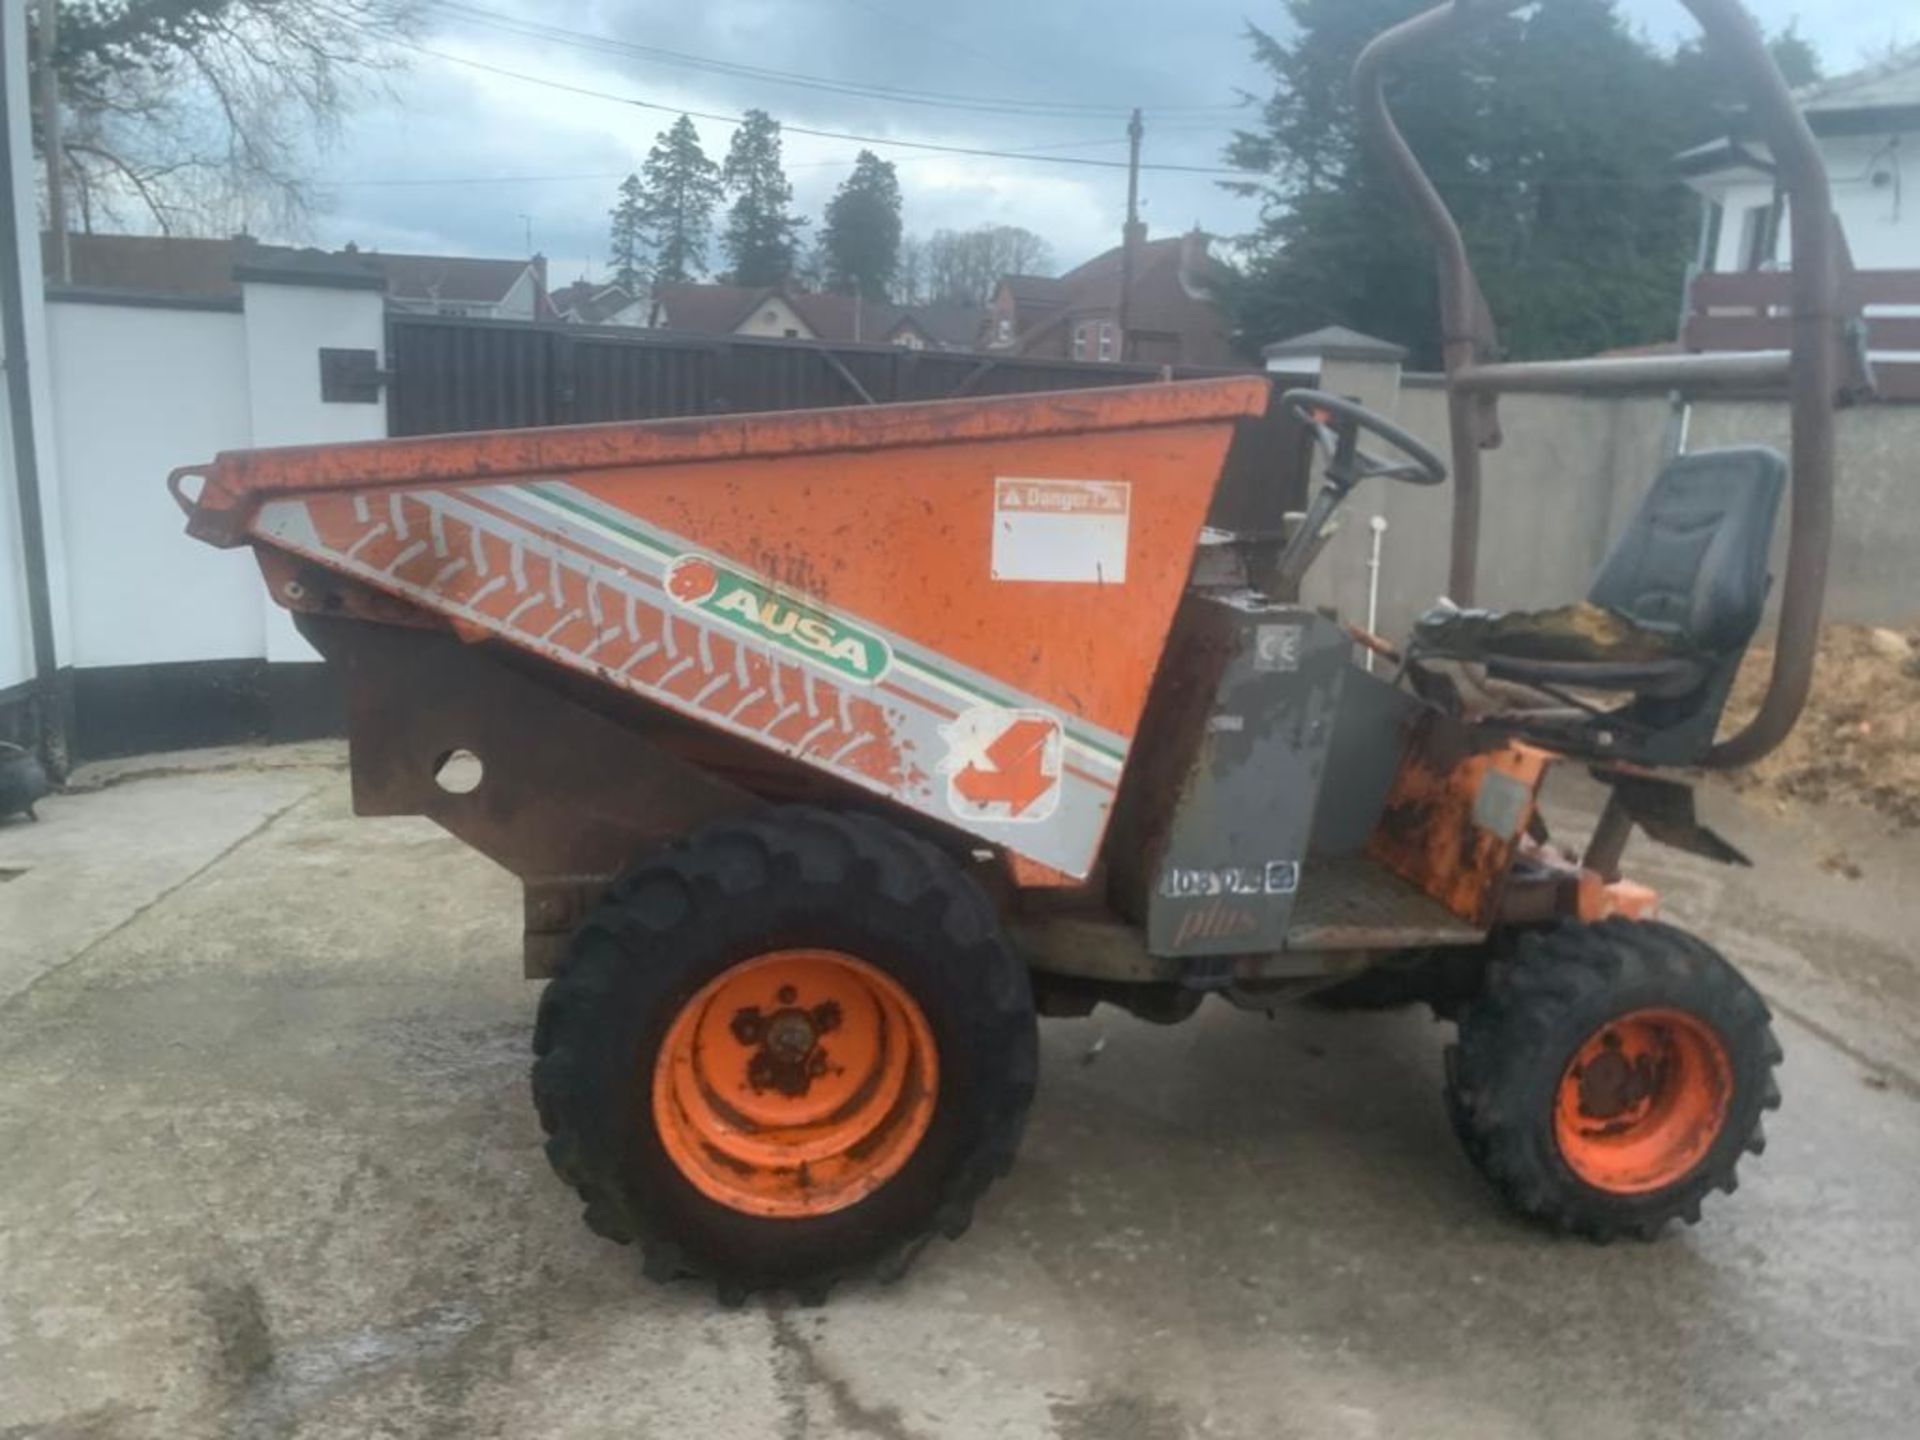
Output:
x=1611 y=1076
x=727 y=989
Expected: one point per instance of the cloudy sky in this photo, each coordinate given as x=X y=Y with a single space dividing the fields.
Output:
x=462 y=157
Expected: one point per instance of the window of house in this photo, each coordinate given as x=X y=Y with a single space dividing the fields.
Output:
x=1080 y=342
x=791 y=333
x=1759 y=227
x=1715 y=221
x=1003 y=330
x=1106 y=340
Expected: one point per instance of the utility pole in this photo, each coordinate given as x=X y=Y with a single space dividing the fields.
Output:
x=1131 y=235
x=50 y=144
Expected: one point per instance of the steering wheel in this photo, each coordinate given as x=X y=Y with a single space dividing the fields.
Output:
x=1337 y=423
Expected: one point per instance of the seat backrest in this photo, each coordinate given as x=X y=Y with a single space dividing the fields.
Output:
x=1693 y=559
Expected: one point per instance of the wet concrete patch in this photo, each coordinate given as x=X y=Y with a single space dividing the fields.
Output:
x=272 y=1171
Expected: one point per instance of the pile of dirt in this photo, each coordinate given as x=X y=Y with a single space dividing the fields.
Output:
x=1859 y=738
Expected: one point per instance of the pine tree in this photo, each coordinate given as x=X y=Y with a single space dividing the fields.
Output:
x=627 y=246
x=679 y=188
x=761 y=237
x=862 y=237
x=1550 y=134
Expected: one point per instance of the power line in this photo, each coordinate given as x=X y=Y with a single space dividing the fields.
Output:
x=1024 y=152
x=923 y=145
x=356 y=182
x=607 y=45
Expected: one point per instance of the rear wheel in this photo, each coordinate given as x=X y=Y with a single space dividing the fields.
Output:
x=787 y=1050
x=1611 y=1076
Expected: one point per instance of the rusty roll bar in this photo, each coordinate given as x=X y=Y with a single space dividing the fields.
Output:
x=1470 y=345
x=1764 y=371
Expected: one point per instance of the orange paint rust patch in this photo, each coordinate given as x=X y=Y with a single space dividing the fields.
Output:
x=1597 y=899
x=1429 y=834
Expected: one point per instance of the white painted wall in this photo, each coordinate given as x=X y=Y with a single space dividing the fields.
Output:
x=521 y=302
x=1876 y=194
x=16 y=653
x=16 y=644
x=141 y=389
x=137 y=391
x=286 y=327
x=776 y=318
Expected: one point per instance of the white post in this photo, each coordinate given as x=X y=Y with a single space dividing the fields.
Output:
x=1379 y=527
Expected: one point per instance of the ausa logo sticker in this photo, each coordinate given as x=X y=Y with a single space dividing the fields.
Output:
x=764 y=613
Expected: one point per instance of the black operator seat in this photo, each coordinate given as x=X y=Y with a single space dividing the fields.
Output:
x=1680 y=593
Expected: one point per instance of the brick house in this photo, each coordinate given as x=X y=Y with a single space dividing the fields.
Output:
x=1172 y=318
x=464 y=285
x=593 y=302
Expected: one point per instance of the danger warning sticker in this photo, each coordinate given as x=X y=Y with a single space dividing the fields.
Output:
x=1002 y=764
x=1068 y=531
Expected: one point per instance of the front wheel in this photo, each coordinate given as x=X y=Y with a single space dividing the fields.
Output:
x=1611 y=1076
x=789 y=1049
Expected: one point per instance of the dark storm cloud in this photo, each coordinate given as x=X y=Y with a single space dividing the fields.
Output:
x=445 y=120
x=1183 y=63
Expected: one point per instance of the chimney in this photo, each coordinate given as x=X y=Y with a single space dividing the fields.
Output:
x=1133 y=235
x=1193 y=261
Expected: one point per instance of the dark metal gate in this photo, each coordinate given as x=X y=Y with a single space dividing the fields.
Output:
x=454 y=374
x=460 y=374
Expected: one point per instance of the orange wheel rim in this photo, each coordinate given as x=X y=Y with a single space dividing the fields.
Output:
x=1642 y=1101
x=796 y=1083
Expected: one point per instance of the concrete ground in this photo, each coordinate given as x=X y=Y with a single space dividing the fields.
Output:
x=268 y=1168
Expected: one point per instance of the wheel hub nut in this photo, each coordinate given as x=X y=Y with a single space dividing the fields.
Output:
x=790 y=1034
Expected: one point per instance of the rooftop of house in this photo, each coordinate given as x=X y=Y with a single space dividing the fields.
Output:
x=455 y=279
x=206 y=267
x=1036 y=289
x=955 y=326
x=1169 y=276
x=1165 y=272
x=842 y=317
x=591 y=301
x=150 y=264
x=706 y=309
x=718 y=309
x=1882 y=97
x=1893 y=81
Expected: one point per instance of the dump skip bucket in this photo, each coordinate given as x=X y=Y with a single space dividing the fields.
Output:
x=959 y=605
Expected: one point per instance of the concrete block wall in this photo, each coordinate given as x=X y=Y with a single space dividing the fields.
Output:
x=1567 y=477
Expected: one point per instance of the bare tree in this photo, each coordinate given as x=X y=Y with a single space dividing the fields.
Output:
x=206 y=114
x=910 y=280
x=963 y=266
